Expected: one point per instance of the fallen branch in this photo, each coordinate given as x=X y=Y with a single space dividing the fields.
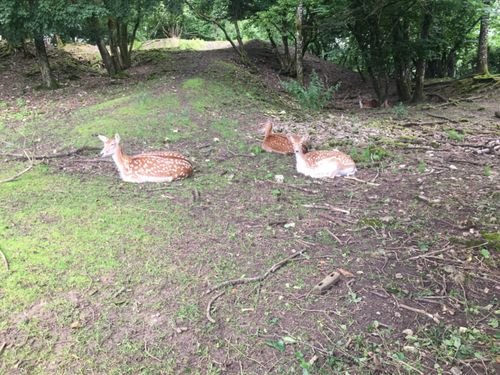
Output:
x=442 y=117
x=50 y=156
x=334 y=236
x=327 y=207
x=415 y=123
x=209 y=306
x=4 y=260
x=247 y=280
x=359 y=180
x=419 y=311
x=17 y=175
x=22 y=172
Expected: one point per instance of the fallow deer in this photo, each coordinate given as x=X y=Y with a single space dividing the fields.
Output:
x=275 y=142
x=321 y=164
x=156 y=166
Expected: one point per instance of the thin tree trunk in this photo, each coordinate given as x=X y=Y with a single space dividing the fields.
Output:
x=134 y=32
x=122 y=32
x=48 y=80
x=418 y=94
x=113 y=45
x=106 y=57
x=238 y=34
x=299 y=56
x=482 y=50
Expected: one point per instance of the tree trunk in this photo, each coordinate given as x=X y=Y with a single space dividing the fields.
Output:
x=48 y=80
x=134 y=32
x=402 y=62
x=418 y=94
x=113 y=45
x=482 y=50
x=238 y=34
x=106 y=57
x=122 y=32
x=299 y=56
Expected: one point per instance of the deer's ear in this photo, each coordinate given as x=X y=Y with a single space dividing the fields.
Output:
x=117 y=138
x=103 y=138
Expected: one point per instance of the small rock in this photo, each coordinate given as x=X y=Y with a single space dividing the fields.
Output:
x=452 y=166
x=181 y=329
x=279 y=178
x=410 y=349
x=289 y=225
x=456 y=371
x=408 y=332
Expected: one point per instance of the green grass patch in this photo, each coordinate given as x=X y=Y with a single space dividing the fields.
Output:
x=57 y=231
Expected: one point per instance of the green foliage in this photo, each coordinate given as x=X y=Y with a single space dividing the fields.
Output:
x=454 y=135
x=370 y=154
x=314 y=96
x=400 y=111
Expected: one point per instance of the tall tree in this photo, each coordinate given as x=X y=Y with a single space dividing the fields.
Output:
x=223 y=12
x=32 y=19
x=422 y=52
x=482 y=50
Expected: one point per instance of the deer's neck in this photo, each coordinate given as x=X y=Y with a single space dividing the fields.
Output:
x=302 y=162
x=267 y=131
x=120 y=158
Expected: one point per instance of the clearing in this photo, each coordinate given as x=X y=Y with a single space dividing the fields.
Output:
x=98 y=276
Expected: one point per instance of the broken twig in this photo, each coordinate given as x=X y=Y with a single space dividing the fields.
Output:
x=327 y=207
x=419 y=311
x=209 y=307
x=4 y=260
x=22 y=172
x=246 y=280
x=363 y=181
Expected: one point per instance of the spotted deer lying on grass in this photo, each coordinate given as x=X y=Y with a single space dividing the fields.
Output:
x=275 y=142
x=372 y=103
x=321 y=164
x=156 y=166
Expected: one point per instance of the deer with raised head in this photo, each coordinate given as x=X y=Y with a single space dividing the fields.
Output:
x=275 y=142
x=367 y=103
x=321 y=164
x=156 y=166
x=373 y=103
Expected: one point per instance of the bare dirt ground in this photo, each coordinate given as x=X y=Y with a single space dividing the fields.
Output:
x=415 y=243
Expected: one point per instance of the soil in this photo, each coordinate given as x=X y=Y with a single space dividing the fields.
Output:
x=410 y=240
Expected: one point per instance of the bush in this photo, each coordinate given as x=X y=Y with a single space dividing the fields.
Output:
x=314 y=96
x=400 y=111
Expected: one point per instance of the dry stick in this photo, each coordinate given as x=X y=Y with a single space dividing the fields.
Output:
x=209 y=307
x=326 y=208
x=442 y=117
x=17 y=175
x=419 y=311
x=413 y=123
x=53 y=156
x=22 y=172
x=334 y=236
x=4 y=260
x=148 y=353
x=359 y=180
x=247 y=280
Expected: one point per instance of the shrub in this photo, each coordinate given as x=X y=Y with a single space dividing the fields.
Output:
x=400 y=111
x=313 y=96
